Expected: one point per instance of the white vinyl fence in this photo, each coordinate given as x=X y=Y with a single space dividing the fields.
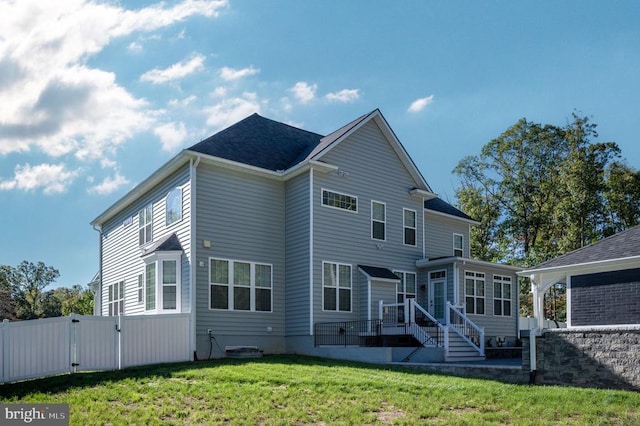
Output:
x=46 y=347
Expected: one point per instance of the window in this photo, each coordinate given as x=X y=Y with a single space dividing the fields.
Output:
x=406 y=287
x=501 y=295
x=409 y=218
x=169 y=285
x=173 y=206
x=145 y=225
x=116 y=299
x=378 y=220
x=240 y=286
x=336 y=287
x=339 y=201
x=150 y=286
x=474 y=292
x=140 y=289
x=458 y=245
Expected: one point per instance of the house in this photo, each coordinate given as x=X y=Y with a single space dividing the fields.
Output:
x=602 y=281
x=287 y=240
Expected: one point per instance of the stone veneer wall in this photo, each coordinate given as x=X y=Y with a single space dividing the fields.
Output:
x=595 y=357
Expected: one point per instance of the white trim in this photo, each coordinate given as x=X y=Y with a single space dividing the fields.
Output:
x=384 y=221
x=166 y=207
x=369 y=307
x=450 y=216
x=311 y=219
x=475 y=296
x=338 y=265
x=158 y=258
x=322 y=191
x=425 y=263
x=430 y=283
x=568 y=297
x=501 y=280
x=588 y=267
x=193 y=174
x=415 y=228
x=455 y=234
x=231 y=285
x=404 y=282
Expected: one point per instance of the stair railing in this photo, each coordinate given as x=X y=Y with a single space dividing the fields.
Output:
x=460 y=323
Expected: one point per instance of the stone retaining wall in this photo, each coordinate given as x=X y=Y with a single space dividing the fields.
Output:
x=594 y=357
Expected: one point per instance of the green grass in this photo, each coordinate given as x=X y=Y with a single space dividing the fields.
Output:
x=303 y=390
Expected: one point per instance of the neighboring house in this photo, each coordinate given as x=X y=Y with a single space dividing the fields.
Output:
x=602 y=280
x=276 y=237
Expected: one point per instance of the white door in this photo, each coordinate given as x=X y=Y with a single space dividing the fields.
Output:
x=437 y=294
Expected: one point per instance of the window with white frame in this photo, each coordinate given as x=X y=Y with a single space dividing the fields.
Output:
x=410 y=226
x=173 y=206
x=116 y=299
x=501 y=295
x=162 y=278
x=150 y=286
x=140 y=289
x=474 y=292
x=406 y=288
x=378 y=220
x=145 y=225
x=458 y=244
x=339 y=201
x=336 y=287
x=240 y=286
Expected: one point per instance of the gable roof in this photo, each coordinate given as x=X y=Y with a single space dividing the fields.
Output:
x=260 y=142
x=440 y=206
x=624 y=244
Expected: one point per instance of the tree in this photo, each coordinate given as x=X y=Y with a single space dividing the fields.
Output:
x=27 y=281
x=7 y=304
x=75 y=300
x=622 y=198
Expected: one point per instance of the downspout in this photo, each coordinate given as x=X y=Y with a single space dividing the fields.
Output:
x=533 y=367
x=193 y=165
x=311 y=251
x=97 y=310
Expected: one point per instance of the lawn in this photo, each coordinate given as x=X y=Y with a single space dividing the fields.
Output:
x=303 y=390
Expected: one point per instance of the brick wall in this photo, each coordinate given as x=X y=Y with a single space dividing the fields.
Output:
x=596 y=357
x=613 y=297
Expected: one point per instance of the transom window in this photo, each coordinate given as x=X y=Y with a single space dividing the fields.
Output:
x=410 y=229
x=116 y=299
x=173 y=206
x=501 y=295
x=336 y=287
x=240 y=286
x=378 y=220
x=339 y=201
x=145 y=225
x=474 y=292
x=458 y=241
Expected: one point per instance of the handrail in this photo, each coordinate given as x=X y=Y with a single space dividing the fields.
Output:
x=465 y=331
x=428 y=315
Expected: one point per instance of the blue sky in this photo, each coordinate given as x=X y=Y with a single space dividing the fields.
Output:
x=94 y=96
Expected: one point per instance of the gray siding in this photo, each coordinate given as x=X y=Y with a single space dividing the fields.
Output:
x=121 y=252
x=439 y=232
x=297 y=255
x=605 y=298
x=381 y=290
x=373 y=172
x=493 y=325
x=242 y=216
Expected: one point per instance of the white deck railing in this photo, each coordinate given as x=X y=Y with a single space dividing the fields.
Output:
x=460 y=323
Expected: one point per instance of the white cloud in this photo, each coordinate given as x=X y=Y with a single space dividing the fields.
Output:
x=134 y=47
x=109 y=184
x=232 y=110
x=50 y=99
x=232 y=74
x=304 y=92
x=52 y=178
x=345 y=95
x=175 y=71
x=420 y=104
x=219 y=92
x=175 y=103
x=171 y=135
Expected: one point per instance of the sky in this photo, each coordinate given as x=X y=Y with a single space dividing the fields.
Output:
x=96 y=95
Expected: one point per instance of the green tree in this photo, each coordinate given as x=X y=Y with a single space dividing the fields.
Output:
x=622 y=198
x=75 y=300
x=28 y=280
x=7 y=304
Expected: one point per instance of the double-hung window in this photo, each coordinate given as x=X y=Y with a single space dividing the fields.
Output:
x=162 y=279
x=406 y=286
x=240 y=286
x=501 y=295
x=145 y=225
x=150 y=286
x=458 y=241
x=474 y=292
x=410 y=226
x=169 y=285
x=116 y=299
x=378 y=220
x=336 y=287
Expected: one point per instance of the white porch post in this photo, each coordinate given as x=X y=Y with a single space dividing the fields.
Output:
x=407 y=317
x=380 y=309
